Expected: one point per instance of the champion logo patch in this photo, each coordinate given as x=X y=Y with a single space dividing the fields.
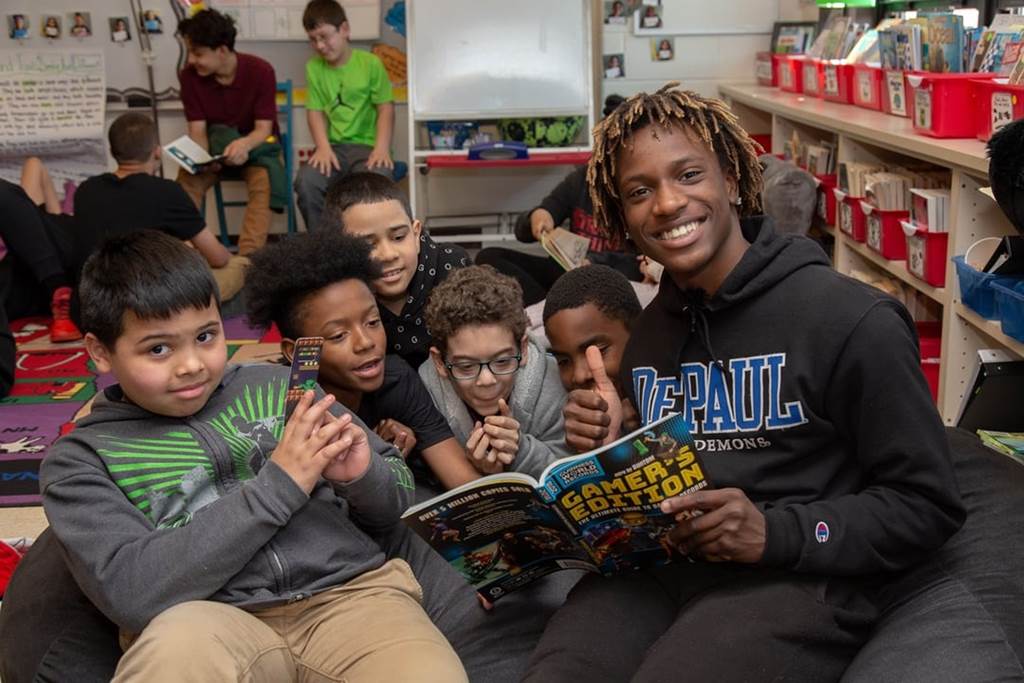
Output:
x=821 y=532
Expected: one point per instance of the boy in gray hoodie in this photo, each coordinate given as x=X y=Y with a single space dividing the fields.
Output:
x=225 y=541
x=499 y=390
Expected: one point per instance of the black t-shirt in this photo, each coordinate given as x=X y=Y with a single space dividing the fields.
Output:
x=403 y=397
x=106 y=205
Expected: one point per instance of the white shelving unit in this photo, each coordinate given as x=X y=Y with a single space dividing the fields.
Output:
x=483 y=73
x=864 y=135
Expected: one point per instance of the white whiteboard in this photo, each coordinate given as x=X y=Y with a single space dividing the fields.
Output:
x=498 y=58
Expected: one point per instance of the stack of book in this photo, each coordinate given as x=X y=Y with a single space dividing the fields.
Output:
x=930 y=209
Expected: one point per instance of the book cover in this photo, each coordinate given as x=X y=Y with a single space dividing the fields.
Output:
x=567 y=248
x=189 y=155
x=994 y=56
x=887 y=49
x=945 y=43
x=599 y=511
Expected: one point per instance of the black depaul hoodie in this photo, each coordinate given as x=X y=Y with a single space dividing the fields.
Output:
x=803 y=388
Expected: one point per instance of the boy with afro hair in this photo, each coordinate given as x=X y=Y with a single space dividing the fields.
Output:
x=318 y=285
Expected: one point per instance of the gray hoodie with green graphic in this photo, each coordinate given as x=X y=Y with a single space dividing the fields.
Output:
x=156 y=511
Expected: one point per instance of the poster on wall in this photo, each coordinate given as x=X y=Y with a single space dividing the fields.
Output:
x=52 y=104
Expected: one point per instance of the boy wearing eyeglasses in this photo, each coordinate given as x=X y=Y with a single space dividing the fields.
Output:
x=498 y=389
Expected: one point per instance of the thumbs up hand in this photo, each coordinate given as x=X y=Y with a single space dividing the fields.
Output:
x=593 y=417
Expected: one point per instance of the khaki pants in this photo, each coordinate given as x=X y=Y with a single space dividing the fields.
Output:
x=256 y=223
x=371 y=629
x=231 y=277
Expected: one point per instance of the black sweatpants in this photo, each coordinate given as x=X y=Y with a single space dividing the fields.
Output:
x=39 y=247
x=537 y=274
x=706 y=622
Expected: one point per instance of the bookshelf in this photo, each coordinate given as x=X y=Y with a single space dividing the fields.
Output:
x=864 y=135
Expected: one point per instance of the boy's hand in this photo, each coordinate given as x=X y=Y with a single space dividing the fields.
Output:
x=309 y=441
x=237 y=152
x=593 y=417
x=478 y=447
x=503 y=432
x=396 y=433
x=541 y=221
x=349 y=457
x=324 y=159
x=381 y=158
x=720 y=525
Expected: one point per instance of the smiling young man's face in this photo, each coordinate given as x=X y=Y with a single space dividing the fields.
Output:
x=345 y=314
x=395 y=239
x=678 y=205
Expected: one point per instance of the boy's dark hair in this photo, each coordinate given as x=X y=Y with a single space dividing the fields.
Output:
x=323 y=12
x=147 y=272
x=132 y=137
x=284 y=274
x=359 y=188
x=605 y=287
x=1006 y=171
x=209 y=28
x=477 y=295
x=708 y=118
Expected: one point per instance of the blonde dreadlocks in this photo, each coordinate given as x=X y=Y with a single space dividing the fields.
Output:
x=670 y=107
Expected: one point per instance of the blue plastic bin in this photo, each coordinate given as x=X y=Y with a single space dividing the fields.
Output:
x=1010 y=304
x=976 y=288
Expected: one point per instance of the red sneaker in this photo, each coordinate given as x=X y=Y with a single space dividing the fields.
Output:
x=62 y=329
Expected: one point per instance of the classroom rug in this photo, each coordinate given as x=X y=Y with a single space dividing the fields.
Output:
x=53 y=384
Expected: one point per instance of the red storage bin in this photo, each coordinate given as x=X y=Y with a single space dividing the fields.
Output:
x=777 y=68
x=826 y=209
x=996 y=103
x=929 y=335
x=812 y=76
x=940 y=103
x=791 y=73
x=894 y=93
x=926 y=253
x=867 y=86
x=849 y=216
x=836 y=82
x=884 y=232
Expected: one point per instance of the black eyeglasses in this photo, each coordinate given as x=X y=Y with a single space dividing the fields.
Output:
x=468 y=369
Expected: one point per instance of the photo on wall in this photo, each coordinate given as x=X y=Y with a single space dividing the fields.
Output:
x=151 y=22
x=614 y=66
x=51 y=26
x=80 y=24
x=615 y=12
x=17 y=26
x=663 y=49
x=647 y=19
x=119 y=31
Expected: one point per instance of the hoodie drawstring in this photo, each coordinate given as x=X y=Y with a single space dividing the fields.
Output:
x=693 y=302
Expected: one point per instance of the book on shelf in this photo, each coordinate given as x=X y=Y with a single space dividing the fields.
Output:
x=945 y=43
x=599 y=511
x=887 y=49
x=1011 y=55
x=993 y=59
x=930 y=208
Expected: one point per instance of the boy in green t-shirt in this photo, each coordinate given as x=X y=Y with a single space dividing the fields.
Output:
x=349 y=109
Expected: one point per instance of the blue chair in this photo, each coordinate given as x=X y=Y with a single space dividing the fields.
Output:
x=285 y=88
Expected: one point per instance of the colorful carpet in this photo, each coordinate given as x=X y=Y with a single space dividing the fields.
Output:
x=53 y=384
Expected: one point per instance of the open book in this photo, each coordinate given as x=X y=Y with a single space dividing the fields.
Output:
x=568 y=249
x=189 y=155
x=598 y=511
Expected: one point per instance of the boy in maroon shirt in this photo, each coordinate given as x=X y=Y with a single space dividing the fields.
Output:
x=221 y=86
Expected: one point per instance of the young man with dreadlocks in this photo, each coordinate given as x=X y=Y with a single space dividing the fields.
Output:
x=803 y=389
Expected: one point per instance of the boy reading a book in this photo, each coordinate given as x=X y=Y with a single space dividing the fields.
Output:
x=211 y=555
x=500 y=391
x=349 y=109
x=589 y=306
x=803 y=389
x=372 y=207
x=318 y=285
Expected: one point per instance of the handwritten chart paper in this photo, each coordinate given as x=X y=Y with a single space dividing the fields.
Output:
x=52 y=105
